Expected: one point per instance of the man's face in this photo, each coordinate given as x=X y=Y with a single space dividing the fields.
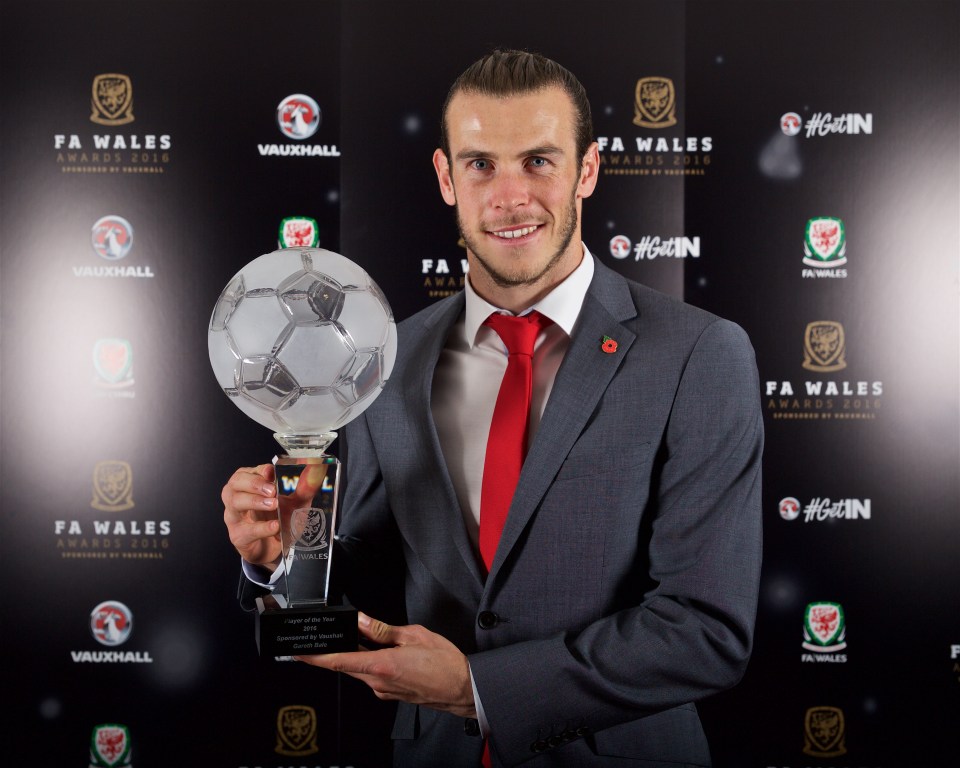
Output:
x=517 y=183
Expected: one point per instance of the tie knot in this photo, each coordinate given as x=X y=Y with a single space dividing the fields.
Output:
x=518 y=333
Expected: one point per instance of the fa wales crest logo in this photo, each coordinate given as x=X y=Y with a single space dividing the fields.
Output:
x=825 y=731
x=112 y=486
x=299 y=232
x=109 y=746
x=113 y=361
x=655 y=103
x=296 y=731
x=824 y=346
x=825 y=242
x=111 y=102
x=824 y=628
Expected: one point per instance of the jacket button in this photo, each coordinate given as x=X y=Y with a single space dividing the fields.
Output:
x=538 y=746
x=488 y=620
x=471 y=727
x=554 y=741
x=583 y=730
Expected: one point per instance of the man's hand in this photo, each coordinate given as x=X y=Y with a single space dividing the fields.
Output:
x=421 y=667
x=250 y=514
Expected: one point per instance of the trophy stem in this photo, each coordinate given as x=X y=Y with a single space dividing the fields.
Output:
x=298 y=618
x=305 y=445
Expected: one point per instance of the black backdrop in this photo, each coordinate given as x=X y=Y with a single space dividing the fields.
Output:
x=206 y=80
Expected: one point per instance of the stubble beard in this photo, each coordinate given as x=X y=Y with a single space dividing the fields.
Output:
x=520 y=278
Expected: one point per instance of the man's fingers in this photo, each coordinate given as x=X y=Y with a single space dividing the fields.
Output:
x=250 y=513
x=417 y=666
x=355 y=663
x=380 y=675
x=252 y=532
x=249 y=488
x=378 y=631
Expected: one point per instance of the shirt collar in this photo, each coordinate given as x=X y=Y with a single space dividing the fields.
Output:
x=562 y=304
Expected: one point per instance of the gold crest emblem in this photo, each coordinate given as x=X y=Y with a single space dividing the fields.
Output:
x=296 y=731
x=824 y=732
x=824 y=346
x=655 y=103
x=112 y=486
x=112 y=102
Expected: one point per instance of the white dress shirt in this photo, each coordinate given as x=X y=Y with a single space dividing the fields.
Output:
x=468 y=375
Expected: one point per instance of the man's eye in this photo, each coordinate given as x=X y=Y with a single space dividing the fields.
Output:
x=538 y=162
x=480 y=165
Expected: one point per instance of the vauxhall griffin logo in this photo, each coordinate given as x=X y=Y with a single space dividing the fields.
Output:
x=791 y=123
x=111 y=623
x=112 y=102
x=112 y=237
x=298 y=116
x=620 y=246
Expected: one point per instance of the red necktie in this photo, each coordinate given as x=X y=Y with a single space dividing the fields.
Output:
x=507 y=443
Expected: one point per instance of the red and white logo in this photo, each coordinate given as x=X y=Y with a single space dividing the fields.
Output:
x=298 y=116
x=620 y=247
x=112 y=237
x=111 y=623
x=789 y=508
x=790 y=123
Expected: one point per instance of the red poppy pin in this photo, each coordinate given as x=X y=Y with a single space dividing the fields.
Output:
x=609 y=345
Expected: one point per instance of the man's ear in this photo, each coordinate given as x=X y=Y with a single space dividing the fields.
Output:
x=589 y=171
x=442 y=166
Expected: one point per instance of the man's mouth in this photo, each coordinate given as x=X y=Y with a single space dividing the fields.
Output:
x=512 y=234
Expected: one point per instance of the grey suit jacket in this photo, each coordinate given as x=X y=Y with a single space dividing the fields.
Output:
x=625 y=583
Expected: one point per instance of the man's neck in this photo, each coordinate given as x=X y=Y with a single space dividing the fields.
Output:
x=517 y=298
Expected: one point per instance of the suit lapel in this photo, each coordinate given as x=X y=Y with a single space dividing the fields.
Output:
x=583 y=377
x=438 y=520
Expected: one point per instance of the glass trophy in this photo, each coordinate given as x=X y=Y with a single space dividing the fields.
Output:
x=302 y=341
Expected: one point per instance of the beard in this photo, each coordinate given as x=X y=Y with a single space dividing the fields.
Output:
x=524 y=277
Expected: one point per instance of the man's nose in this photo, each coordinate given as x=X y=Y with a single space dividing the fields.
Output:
x=510 y=190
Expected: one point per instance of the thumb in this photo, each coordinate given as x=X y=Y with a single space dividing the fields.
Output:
x=375 y=630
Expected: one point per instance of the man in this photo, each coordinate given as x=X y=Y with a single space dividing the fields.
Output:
x=623 y=584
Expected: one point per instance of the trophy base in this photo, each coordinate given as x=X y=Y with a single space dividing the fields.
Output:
x=299 y=630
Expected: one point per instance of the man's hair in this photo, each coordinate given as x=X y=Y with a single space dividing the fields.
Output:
x=511 y=73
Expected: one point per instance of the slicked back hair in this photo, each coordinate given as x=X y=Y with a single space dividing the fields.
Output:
x=511 y=73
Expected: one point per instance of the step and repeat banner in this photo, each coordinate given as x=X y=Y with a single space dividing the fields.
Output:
x=792 y=166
